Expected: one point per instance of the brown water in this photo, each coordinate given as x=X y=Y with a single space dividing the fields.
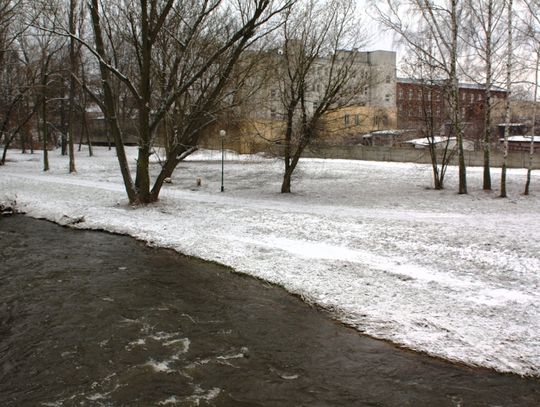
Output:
x=93 y=319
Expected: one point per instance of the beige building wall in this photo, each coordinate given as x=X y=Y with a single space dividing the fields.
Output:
x=370 y=96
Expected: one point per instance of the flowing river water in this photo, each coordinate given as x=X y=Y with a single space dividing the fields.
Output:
x=93 y=319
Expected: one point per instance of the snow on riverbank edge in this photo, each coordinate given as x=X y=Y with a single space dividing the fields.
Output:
x=413 y=277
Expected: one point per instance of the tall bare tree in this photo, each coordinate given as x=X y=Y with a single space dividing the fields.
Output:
x=16 y=79
x=209 y=37
x=316 y=37
x=484 y=34
x=431 y=117
x=74 y=68
x=508 y=111
x=415 y=20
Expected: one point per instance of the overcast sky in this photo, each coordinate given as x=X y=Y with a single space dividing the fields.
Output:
x=381 y=40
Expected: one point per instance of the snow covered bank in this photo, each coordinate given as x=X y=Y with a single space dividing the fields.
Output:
x=454 y=276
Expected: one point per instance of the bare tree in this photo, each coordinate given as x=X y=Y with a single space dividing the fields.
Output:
x=73 y=65
x=442 y=22
x=484 y=35
x=14 y=79
x=432 y=115
x=316 y=72
x=209 y=36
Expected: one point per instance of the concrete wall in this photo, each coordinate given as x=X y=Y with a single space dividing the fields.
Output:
x=472 y=158
x=517 y=159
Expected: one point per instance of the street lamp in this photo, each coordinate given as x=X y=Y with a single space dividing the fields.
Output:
x=222 y=134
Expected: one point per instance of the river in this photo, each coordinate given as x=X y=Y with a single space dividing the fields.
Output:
x=93 y=319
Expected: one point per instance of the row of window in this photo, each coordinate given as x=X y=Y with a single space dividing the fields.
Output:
x=419 y=95
x=427 y=112
x=471 y=96
x=317 y=87
x=420 y=112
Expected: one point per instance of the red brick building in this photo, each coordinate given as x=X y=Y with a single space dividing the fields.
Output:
x=418 y=102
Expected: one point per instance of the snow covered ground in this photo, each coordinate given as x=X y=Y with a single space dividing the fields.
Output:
x=456 y=276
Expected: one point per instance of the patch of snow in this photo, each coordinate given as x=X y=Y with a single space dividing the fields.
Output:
x=170 y=400
x=202 y=395
x=159 y=366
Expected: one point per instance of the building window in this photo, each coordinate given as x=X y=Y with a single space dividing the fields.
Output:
x=388 y=78
x=273 y=93
x=357 y=119
x=472 y=97
x=365 y=90
x=479 y=98
x=346 y=119
x=387 y=97
x=410 y=94
x=315 y=105
x=401 y=94
x=272 y=113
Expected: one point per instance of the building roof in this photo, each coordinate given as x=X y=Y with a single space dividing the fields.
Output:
x=462 y=85
x=521 y=139
x=426 y=141
x=389 y=133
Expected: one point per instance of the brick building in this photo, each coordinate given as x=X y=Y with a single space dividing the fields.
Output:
x=418 y=102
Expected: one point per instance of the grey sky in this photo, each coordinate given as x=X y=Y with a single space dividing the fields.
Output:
x=380 y=39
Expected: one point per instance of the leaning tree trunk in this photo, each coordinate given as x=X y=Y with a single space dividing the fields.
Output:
x=7 y=143
x=108 y=102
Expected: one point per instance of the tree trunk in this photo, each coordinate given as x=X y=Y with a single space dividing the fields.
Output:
x=23 y=142
x=286 y=184
x=508 y=108
x=486 y=186
x=533 y=127
x=7 y=142
x=458 y=128
x=86 y=132
x=72 y=85
x=142 y=180
x=44 y=129
x=63 y=135
x=173 y=159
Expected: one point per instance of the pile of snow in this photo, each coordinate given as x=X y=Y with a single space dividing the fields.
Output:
x=456 y=276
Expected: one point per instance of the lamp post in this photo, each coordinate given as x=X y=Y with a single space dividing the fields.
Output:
x=222 y=134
